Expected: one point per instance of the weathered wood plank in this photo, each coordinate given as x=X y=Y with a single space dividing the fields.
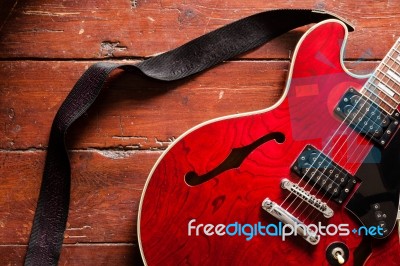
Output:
x=133 y=113
x=94 y=254
x=105 y=193
x=6 y=8
x=107 y=183
x=123 y=28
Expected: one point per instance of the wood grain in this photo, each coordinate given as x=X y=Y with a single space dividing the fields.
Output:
x=132 y=113
x=79 y=254
x=46 y=45
x=105 y=193
x=123 y=28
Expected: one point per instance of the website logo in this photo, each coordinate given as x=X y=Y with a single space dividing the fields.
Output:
x=278 y=230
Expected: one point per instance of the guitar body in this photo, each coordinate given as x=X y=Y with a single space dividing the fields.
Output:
x=274 y=138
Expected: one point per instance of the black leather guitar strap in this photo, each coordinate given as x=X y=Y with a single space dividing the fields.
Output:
x=52 y=208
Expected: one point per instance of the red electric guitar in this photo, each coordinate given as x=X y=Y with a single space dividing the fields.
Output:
x=313 y=180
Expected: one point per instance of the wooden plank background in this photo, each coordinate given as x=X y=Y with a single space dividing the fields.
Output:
x=46 y=45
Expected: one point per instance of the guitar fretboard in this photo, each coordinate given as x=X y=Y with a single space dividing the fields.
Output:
x=383 y=87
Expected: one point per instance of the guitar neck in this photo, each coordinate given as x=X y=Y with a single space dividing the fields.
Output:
x=383 y=87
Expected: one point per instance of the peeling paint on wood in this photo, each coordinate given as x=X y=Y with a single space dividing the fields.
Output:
x=134 y=3
x=108 y=48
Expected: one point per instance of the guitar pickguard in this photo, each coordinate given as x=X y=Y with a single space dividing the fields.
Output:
x=376 y=201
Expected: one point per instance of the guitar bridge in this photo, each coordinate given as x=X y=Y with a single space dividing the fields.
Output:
x=307 y=197
x=287 y=218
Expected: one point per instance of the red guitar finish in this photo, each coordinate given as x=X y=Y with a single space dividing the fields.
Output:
x=304 y=115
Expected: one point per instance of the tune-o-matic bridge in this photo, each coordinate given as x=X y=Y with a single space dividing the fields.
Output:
x=319 y=170
x=307 y=197
x=366 y=117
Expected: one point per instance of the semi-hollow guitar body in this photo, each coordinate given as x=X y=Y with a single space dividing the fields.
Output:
x=260 y=168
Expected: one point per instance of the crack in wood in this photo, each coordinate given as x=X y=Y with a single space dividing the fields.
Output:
x=79 y=228
x=129 y=137
x=38 y=30
x=22 y=150
x=50 y=14
x=115 y=154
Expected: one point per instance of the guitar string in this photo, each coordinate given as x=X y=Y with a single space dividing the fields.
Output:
x=359 y=158
x=326 y=145
x=392 y=63
x=330 y=187
x=330 y=140
x=332 y=177
x=372 y=77
x=308 y=169
x=325 y=148
x=349 y=148
x=390 y=79
x=385 y=82
x=340 y=161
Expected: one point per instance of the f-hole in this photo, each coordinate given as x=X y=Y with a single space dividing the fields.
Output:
x=234 y=159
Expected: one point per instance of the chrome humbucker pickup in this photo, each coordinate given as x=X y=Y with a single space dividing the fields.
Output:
x=287 y=218
x=307 y=197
